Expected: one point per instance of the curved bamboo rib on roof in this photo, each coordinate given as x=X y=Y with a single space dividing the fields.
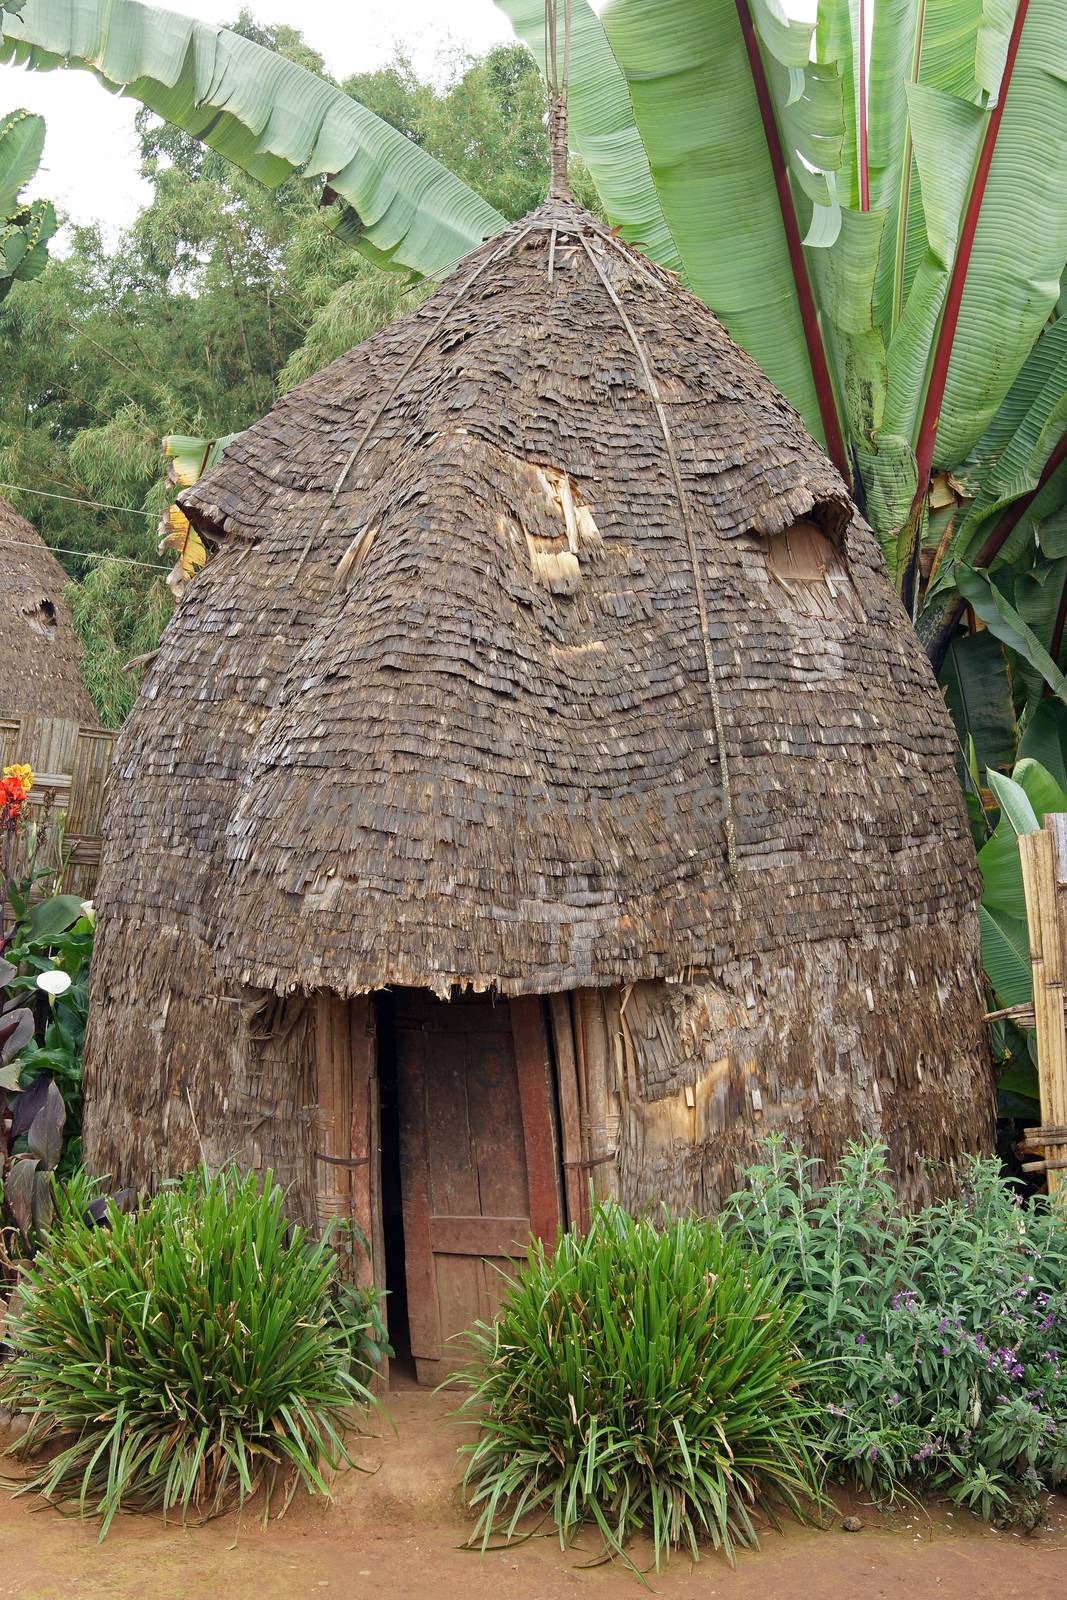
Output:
x=446 y=699
x=40 y=656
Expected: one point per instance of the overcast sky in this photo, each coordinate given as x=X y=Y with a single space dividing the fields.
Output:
x=90 y=161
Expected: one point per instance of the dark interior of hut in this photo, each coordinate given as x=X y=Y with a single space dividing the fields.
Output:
x=402 y=1362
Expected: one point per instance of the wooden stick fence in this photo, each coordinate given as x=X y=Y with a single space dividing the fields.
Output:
x=1044 y=864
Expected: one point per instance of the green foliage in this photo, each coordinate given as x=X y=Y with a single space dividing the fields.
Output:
x=935 y=1338
x=639 y=1378
x=119 y=613
x=180 y=1357
x=54 y=935
x=44 y=994
x=357 y=1312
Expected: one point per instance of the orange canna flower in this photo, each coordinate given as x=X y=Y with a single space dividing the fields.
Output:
x=20 y=774
x=15 y=784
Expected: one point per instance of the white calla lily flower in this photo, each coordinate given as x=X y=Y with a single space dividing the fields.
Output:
x=54 y=983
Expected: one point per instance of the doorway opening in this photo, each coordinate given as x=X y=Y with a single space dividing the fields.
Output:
x=402 y=1362
x=467 y=1164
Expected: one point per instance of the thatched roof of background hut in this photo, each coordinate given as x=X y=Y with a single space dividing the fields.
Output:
x=544 y=648
x=40 y=655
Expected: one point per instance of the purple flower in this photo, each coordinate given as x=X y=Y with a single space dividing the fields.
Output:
x=872 y=1453
x=860 y=1339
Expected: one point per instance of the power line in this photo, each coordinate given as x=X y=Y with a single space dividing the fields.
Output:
x=75 y=500
x=86 y=555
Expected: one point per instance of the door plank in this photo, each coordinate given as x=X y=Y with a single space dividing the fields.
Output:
x=534 y=1064
x=333 y=1111
x=575 y=1181
x=494 y=1120
x=453 y=1181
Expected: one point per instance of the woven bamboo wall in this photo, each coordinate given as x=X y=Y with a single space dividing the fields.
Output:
x=70 y=762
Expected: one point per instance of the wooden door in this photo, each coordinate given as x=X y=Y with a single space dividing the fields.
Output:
x=479 y=1166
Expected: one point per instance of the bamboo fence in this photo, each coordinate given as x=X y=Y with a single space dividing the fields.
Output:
x=70 y=764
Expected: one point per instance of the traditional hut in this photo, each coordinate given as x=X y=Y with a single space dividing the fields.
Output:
x=40 y=656
x=542 y=784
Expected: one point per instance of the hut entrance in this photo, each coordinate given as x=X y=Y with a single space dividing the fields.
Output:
x=470 y=1160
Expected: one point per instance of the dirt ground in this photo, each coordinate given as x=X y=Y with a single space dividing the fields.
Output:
x=396 y=1533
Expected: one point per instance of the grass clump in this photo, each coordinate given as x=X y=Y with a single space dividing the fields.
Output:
x=639 y=1378
x=181 y=1357
x=938 y=1338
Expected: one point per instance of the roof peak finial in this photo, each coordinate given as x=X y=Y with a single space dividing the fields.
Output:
x=559 y=188
x=557 y=76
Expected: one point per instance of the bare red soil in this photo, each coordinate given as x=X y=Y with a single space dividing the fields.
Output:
x=396 y=1533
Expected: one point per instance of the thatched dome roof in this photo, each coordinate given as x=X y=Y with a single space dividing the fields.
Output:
x=506 y=598
x=40 y=656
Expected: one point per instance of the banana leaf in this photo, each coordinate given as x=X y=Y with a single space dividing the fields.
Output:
x=1045 y=739
x=1004 y=620
x=267 y=115
x=1006 y=956
x=977 y=685
x=666 y=112
x=1020 y=242
x=24 y=229
x=21 y=148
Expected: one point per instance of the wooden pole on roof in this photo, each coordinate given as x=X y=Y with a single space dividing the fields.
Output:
x=1044 y=864
x=557 y=75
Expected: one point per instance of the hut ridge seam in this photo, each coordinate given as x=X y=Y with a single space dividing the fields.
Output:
x=694 y=556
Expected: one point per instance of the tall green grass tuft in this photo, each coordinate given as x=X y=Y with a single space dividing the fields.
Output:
x=640 y=1379
x=182 y=1357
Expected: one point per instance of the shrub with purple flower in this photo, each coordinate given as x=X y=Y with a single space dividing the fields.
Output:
x=937 y=1336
